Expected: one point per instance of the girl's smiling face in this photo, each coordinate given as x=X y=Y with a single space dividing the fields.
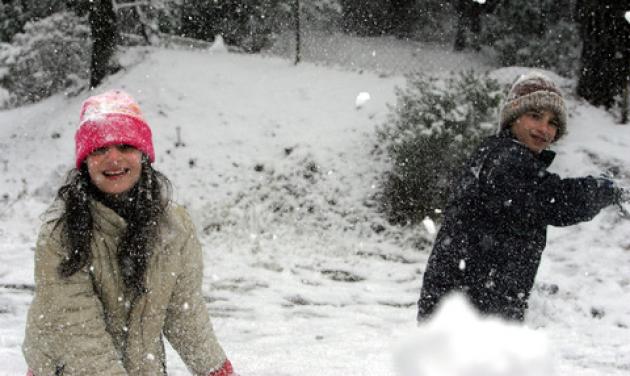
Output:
x=115 y=169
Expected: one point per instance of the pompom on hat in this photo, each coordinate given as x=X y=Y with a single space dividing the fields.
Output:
x=111 y=118
x=534 y=91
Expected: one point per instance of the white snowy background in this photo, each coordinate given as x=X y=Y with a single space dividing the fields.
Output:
x=278 y=173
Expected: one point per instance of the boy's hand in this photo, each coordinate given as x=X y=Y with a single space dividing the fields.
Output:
x=608 y=191
x=618 y=196
x=621 y=195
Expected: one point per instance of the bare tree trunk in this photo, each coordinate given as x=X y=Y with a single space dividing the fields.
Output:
x=102 y=19
x=624 y=104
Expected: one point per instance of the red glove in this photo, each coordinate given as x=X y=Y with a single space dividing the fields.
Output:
x=29 y=373
x=225 y=370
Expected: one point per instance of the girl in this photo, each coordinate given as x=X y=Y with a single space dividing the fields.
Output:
x=117 y=265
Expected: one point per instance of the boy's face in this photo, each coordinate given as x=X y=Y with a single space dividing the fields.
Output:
x=536 y=129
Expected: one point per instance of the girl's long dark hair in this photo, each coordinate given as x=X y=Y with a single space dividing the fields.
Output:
x=143 y=209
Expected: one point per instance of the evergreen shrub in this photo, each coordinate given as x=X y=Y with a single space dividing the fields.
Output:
x=51 y=55
x=433 y=127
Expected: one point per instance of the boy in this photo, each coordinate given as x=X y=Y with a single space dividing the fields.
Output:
x=495 y=223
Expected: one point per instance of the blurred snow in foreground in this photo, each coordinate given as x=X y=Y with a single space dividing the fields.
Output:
x=459 y=342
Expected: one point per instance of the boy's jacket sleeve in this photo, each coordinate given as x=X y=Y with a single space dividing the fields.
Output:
x=518 y=188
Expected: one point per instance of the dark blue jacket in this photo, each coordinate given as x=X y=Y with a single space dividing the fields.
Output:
x=495 y=226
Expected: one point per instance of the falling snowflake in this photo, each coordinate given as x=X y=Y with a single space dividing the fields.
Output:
x=429 y=225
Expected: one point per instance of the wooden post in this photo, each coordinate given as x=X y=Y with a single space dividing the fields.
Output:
x=626 y=90
x=624 y=103
x=296 y=15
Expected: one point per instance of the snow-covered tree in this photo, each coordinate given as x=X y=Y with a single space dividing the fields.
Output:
x=49 y=56
x=10 y=21
x=14 y=14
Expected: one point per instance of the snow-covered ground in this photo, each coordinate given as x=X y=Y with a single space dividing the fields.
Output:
x=277 y=171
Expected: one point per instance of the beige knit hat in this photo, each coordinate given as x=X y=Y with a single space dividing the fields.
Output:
x=534 y=91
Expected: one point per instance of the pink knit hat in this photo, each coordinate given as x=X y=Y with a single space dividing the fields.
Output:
x=111 y=118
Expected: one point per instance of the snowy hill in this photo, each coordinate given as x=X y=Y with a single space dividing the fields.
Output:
x=277 y=171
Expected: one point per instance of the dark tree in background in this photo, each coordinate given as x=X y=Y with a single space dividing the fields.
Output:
x=605 y=60
x=402 y=17
x=246 y=24
x=468 y=28
x=537 y=34
x=102 y=20
x=468 y=24
x=379 y=17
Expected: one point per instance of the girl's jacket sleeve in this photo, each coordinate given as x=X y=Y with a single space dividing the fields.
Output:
x=187 y=325
x=65 y=328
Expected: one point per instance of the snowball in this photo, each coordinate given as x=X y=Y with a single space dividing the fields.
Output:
x=362 y=99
